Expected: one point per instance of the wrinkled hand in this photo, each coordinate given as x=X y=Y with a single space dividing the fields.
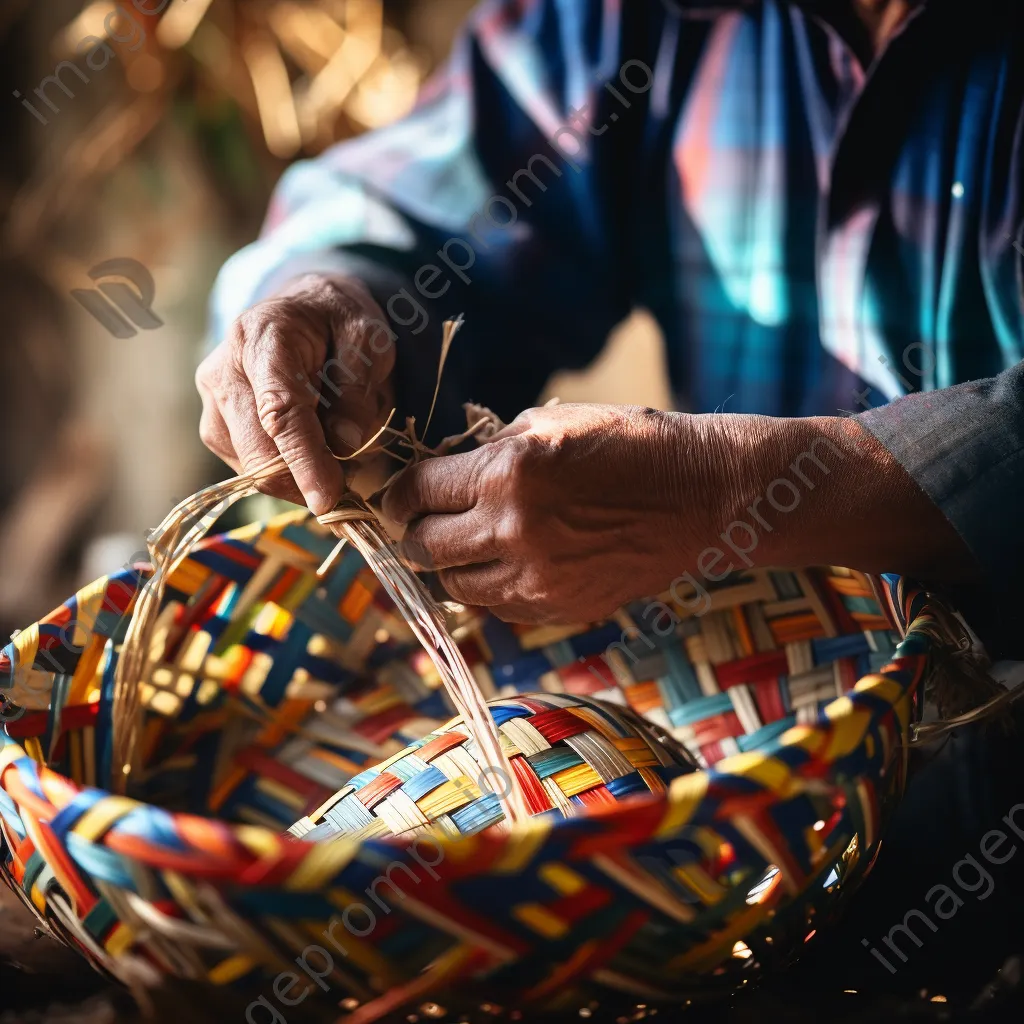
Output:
x=566 y=514
x=301 y=374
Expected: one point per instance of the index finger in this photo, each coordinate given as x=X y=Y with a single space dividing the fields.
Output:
x=444 y=484
x=289 y=420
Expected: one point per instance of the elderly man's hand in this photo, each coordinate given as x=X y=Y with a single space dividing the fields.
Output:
x=567 y=513
x=301 y=374
x=571 y=511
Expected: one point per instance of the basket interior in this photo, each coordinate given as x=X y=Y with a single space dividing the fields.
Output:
x=275 y=690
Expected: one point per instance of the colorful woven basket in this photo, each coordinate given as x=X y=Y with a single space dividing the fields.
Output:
x=278 y=696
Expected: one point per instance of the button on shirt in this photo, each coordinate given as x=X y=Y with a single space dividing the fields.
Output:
x=813 y=236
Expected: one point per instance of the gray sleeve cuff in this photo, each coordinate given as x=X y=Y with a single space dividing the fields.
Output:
x=964 y=447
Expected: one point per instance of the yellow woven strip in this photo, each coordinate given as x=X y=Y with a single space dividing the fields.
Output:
x=282 y=793
x=448 y=797
x=636 y=751
x=34 y=749
x=697 y=879
x=577 y=779
x=119 y=940
x=259 y=841
x=684 y=795
x=561 y=878
x=598 y=723
x=231 y=970
x=653 y=782
x=101 y=816
x=26 y=643
x=541 y=920
x=529 y=837
x=810 y=738
x=880 y=686
x=849 y=727
x=90 y=600
x=766 y=771
x=321 y=864
x=466 y=849
x=189 y=577
x=85 y=671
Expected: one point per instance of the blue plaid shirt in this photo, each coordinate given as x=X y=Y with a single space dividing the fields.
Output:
x=812 y=235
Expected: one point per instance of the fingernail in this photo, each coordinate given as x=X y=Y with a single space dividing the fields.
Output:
x=318 y=503
x=349 y=433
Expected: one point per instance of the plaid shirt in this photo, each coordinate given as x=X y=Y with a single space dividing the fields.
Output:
x=811 y=235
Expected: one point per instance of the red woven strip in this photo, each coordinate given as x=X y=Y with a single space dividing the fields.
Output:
x=472 y=919
x=718 y=727
x=275 y=870
x=440 y=745
x=580 y=904
x=758 y=667
x=558 y=724
x=712 y=752
x=619 y=831
x=848 y=674
x=533 y=789
x=240 y=556
x=119 y=594
x=599 y=796
x=193 y=615
x=33 y=723
x=282 y=584
x=255 y=760
x=66 y=870
x=380 y=727
x=317 y=799
x=769 y=700
x=591 y=675
x=373 y=792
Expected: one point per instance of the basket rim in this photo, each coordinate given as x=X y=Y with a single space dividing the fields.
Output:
x=895 y=684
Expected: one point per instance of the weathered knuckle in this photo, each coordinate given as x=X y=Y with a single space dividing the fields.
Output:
x=276 y=411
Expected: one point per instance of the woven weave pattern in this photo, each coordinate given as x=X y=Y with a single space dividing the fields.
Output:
x=567 y=754
x=769 y=650
x=276 y=692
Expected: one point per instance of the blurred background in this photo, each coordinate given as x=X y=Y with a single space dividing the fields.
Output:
x=157 y=138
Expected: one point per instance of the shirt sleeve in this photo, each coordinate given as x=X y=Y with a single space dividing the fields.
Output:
x=964 y=446
x=504 y=196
